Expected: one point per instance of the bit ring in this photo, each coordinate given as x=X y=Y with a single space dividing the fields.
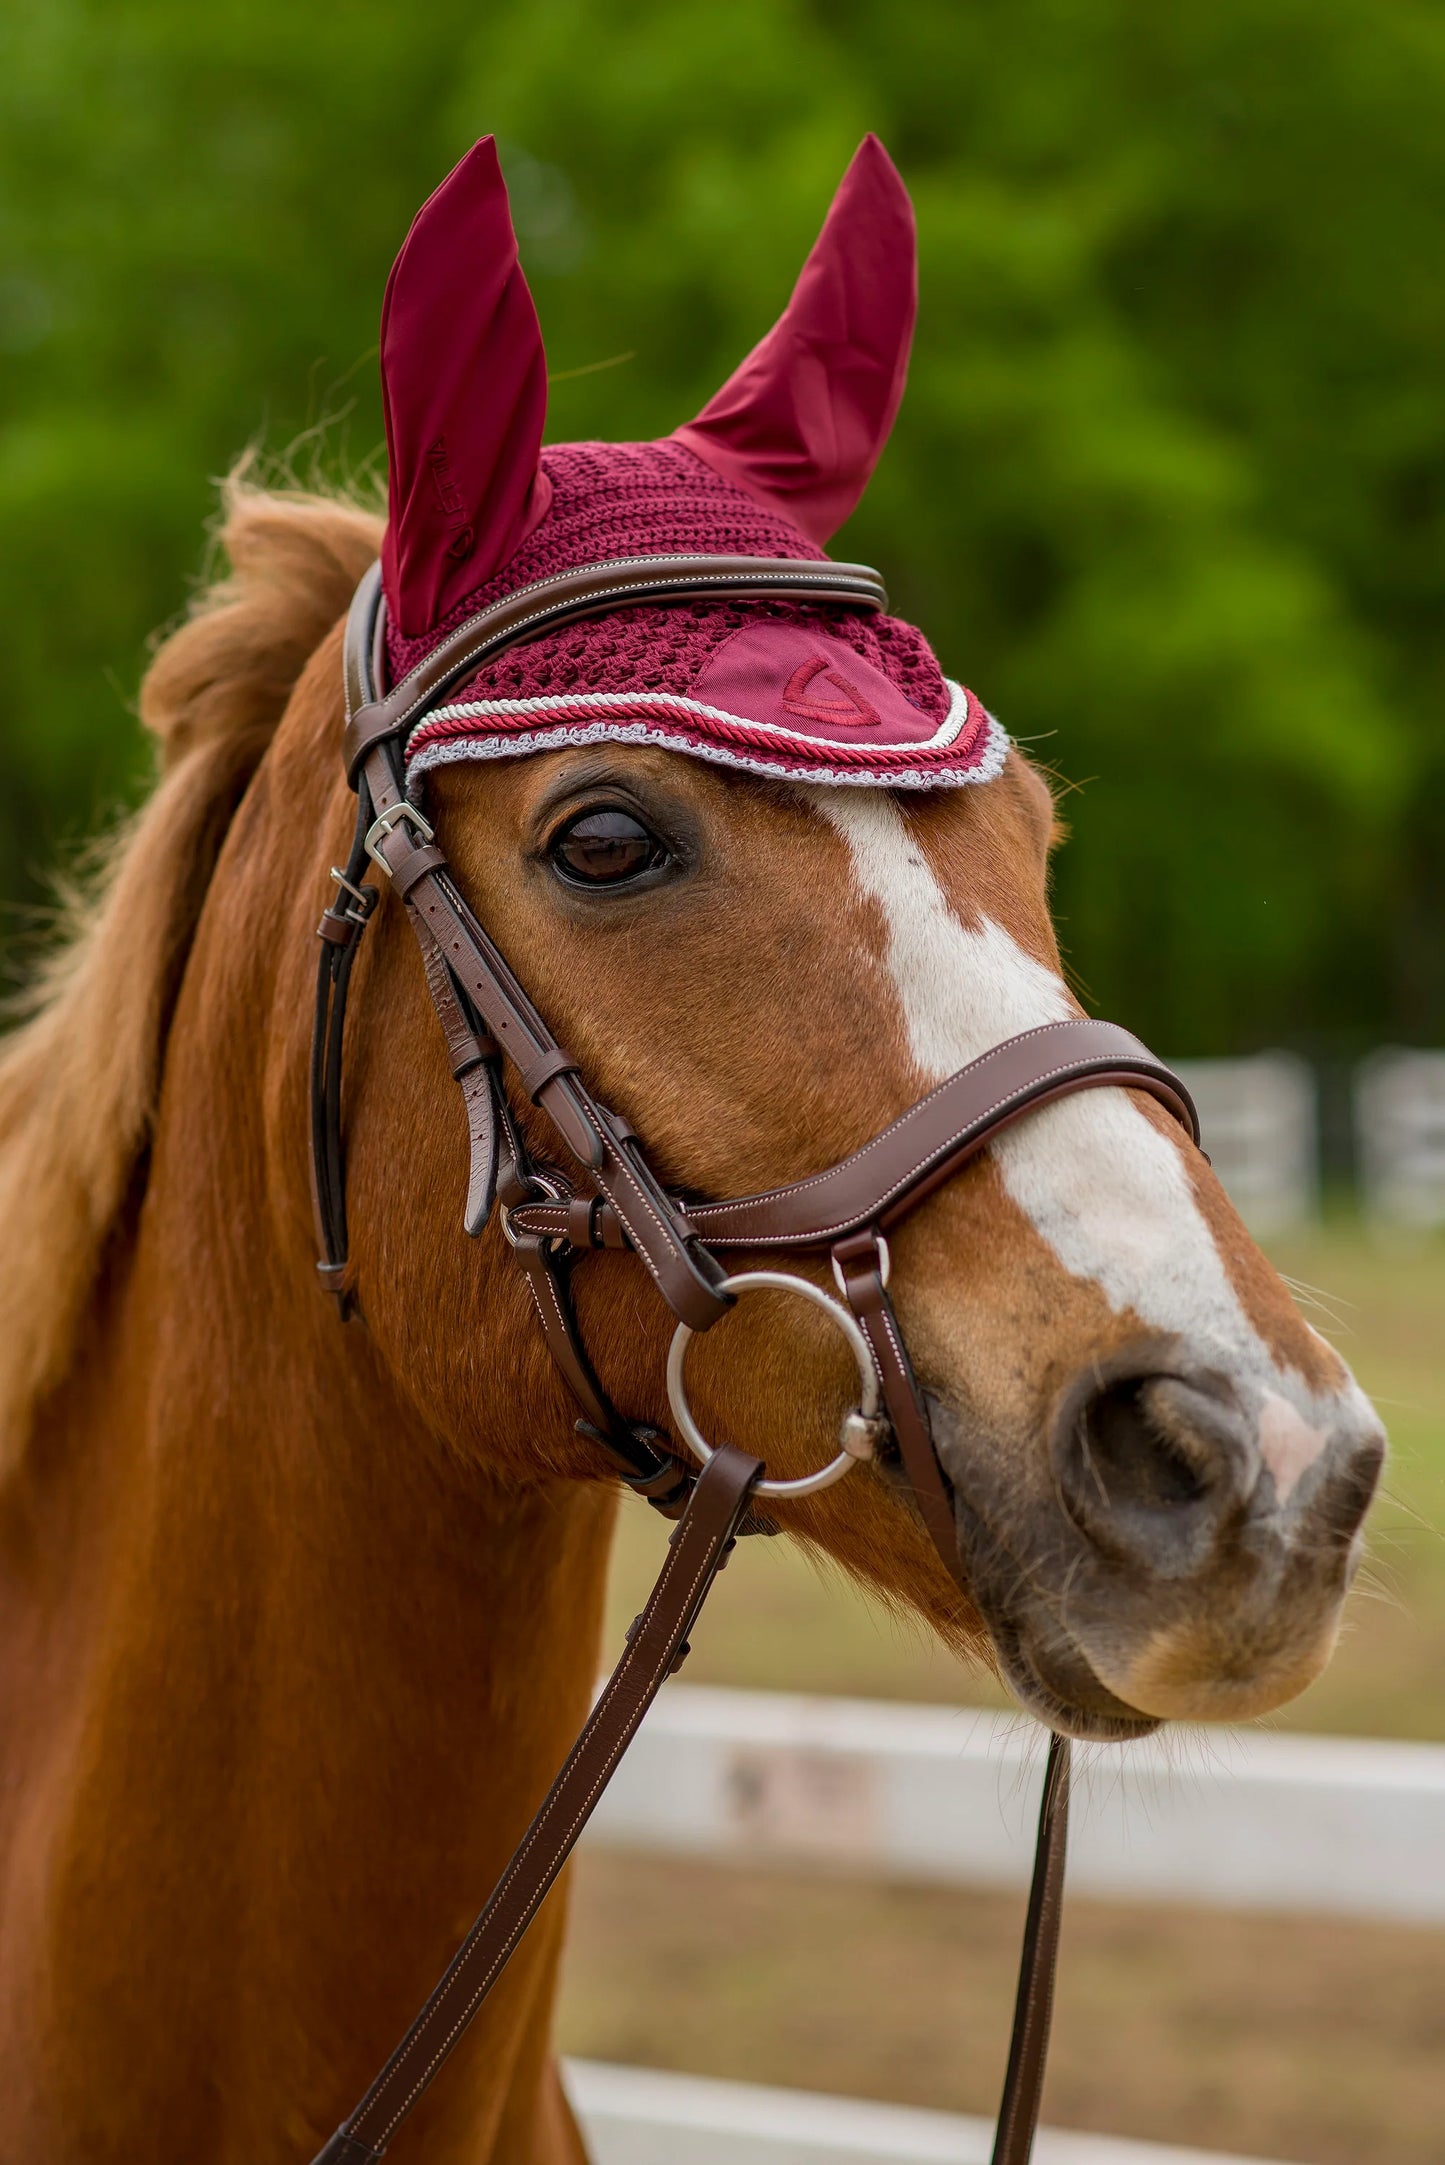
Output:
x=859 y=1427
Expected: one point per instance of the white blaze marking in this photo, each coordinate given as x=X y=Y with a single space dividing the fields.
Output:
x=1105 y=1189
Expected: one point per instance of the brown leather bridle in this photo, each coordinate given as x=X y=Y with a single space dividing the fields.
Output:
x=613 y=1200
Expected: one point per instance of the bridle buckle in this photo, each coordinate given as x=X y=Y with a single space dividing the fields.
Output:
x=363 y=899
x=543 y=1189
x=885 y=1264
x=387 y=822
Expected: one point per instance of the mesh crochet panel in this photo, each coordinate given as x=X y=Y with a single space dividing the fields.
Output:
x=664 y=647
x=621 y=500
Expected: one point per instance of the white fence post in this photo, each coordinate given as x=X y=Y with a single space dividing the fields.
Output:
x=1261 y=1130
x=1400 y=1136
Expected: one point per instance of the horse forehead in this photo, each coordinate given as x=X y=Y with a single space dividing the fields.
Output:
x=957 y=890
x=850 y=897
x=780 y=888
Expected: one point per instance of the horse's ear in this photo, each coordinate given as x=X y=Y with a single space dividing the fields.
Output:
x=803 y=422
x=464 y=386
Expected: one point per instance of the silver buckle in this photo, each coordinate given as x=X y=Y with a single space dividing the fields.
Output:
x=363 y=899
x=548 y=1191
x=386 y=823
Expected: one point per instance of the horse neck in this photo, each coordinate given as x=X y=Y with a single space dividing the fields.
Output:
x=331 y=1676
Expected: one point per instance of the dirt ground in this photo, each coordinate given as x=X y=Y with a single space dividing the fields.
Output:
x=1291 y=2038
x=1288 y=2037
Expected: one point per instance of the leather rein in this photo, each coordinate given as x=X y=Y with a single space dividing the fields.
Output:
x=611 y=1199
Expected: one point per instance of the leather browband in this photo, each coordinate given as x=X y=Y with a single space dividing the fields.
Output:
x=586 y=592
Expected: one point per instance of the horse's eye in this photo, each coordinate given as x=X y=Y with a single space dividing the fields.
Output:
x=601 y=849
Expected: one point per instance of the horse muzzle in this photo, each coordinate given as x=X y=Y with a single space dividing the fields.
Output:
x=1189 y=1553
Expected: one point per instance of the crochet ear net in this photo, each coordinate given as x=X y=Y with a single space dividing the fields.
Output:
x=799 y=426
x=464 y=387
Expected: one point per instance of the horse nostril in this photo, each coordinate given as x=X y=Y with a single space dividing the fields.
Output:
x=1152 y=1463
x=1348 y=1488
x=1135 y=1464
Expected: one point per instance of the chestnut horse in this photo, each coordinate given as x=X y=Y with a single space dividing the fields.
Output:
x=297 y=1621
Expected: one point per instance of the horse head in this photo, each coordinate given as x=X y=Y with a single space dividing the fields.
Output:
x=770 y=877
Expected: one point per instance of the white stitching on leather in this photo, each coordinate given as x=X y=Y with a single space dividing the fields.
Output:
x=616 y=1157
x=1103 y=1063
x=619 y=1160
x=700 y=1211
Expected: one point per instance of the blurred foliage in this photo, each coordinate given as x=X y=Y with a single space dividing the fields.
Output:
x=1169 y=483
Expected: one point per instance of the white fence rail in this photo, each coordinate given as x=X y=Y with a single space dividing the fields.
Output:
x=1400 y=1136
x=634 y=2116
x=1228 y=1818
x=1261 y=1130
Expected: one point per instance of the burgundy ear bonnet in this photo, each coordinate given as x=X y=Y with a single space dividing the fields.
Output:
x=770 y=467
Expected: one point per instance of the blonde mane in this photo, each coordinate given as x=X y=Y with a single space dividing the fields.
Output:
x=79 y=1078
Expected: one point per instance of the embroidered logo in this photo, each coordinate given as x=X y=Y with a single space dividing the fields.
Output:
x=851 y=710
x=449 y=499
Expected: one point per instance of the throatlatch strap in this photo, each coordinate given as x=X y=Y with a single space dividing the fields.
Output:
x=697 y=1551
x=342 y=924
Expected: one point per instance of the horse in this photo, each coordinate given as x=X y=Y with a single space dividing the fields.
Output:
x=297 y=1619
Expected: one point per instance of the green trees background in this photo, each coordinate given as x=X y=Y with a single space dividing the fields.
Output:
x=1169 y=483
